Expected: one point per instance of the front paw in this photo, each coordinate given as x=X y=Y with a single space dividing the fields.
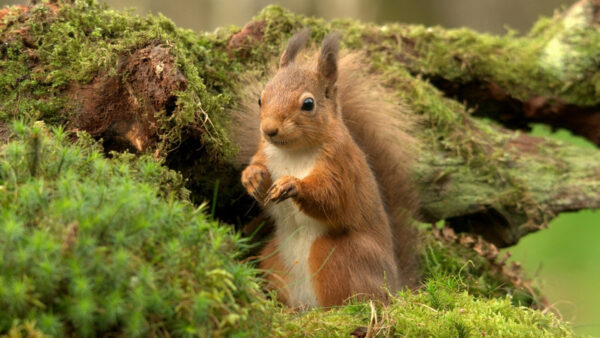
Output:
x=284 y=188
x=256 y=179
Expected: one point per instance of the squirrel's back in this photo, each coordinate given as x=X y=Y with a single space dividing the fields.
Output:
x=382 y=129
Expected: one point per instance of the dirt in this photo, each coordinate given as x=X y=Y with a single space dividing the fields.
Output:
x=20 y=14
x=21 y=9
x=121 y=109
x=488 y=223
x=526 y=143
x=246 y=39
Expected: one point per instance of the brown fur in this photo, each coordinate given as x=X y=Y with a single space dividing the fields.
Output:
x=352 y=264
x=369 y=241
x=382 y=129
x=295 y=44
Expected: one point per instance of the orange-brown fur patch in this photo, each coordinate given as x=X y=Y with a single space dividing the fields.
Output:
x=351 y=264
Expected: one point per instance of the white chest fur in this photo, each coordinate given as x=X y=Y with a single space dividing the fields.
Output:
x=295 y=231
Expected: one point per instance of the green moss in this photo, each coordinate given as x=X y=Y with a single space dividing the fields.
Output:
x=86 y=40
x=95 y=246
x=461 y=295
x=554 y=60
x=441 y=309
x=476 y=274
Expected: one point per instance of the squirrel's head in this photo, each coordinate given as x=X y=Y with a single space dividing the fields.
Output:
x=300 y=101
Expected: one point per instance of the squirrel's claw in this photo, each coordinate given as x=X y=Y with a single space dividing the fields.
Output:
x=254 y=178
x=284 y=188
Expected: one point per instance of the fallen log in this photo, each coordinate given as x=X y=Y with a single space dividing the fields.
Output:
x=141 y=84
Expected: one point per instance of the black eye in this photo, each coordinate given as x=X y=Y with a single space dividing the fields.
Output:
x=259 y=102
x=308 y=104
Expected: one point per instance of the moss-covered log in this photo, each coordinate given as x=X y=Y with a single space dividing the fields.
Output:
x=144 y=85
x=549 y=75
x=90 y=243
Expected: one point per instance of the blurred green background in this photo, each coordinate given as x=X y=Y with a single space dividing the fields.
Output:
x=562 y=257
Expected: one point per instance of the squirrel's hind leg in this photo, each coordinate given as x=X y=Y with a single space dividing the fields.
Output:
x=350 y=265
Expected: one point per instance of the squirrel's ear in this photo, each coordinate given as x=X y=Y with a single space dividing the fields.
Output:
x=295 y=44
x=328 y=58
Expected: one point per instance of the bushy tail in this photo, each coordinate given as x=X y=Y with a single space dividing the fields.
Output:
x=381 y=126
x=382 y=129
x=244 y=114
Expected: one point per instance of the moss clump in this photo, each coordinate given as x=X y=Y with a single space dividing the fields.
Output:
x=441 y=309
x=556 y=59
x=97 y=246
x=50 y=48
x=479 y=276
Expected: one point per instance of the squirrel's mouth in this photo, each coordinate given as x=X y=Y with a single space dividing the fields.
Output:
x=279 y=142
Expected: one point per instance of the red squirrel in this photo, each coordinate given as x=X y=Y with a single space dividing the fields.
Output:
x=334 y=238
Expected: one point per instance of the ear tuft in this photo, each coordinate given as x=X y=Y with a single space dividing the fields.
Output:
x=295 y=44
x=327 y=65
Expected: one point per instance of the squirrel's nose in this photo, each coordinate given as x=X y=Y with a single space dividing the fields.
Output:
x=272 y=131
x=269 y=127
